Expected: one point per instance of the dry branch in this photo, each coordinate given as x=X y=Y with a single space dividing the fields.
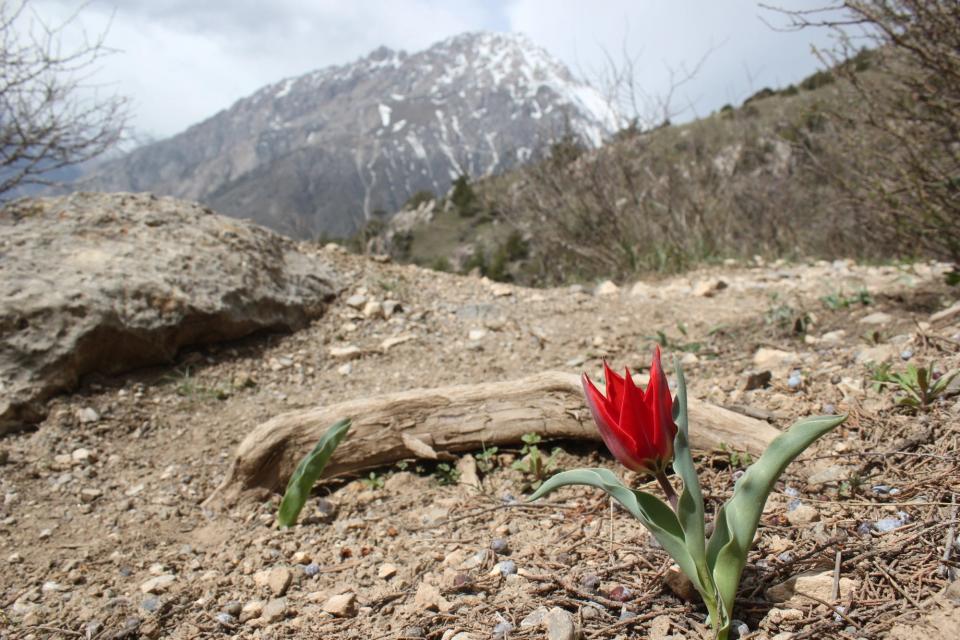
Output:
x=432 y=423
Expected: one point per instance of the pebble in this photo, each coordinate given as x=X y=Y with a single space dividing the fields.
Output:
x=499 y=545
x=413 y=632
x=803 y=514
x=343 y=605
x=829 y=409
x=83 y=456
x=620 y=594
x=590 y=582
x=885 y=525
x=506 y=568
x=387 y=571
x=311 y=569
x=226 y=619
x=348 y=352
x=356 y=301
x=151 y=604
x=501 y=630
x=795 y=381
x=87 y=415
x=275 y=610
x=607 y=288
x=158 y=584
x=906 y=354
x=534 y=618
x=559 y=624
x=251 y=610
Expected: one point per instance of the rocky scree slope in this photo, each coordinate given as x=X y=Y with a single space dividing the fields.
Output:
x=319 y=153
x=105 y=283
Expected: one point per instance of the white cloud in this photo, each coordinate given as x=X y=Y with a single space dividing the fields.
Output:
x=181 y=61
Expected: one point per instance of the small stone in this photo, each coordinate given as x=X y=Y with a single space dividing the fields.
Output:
x=233 y=608
x=906 y=354
x=373 y=309
x=534 y=618
x=276 y=579
x=477 y=334
x=14 y=558
x=391 y=307
x=815 y=583
x=833 y=473
x=87 y=415
x=877 y=318
x=506 y=568
x=659 y=627
x=89 y=495
x=708 y=288
x=829 y=409
x=343 y=605
x=576 y=361
x=275 y=610
x=389 y=343
x=251 y=610
x=83 y=456
x=620 y=593
x=428 y=598
x=226 y=620
x=766 y=358
x=795 y=381
x=590 y=582
x=413 y=632
x=757 y=380
x=356 y=301
x=159 y=584
x=467 y=467
x=326 y=509
x=348 y=352
x=885 y=525
x=559 y=625
x=150 y=604
x=501 y=290
x=607 y=288
x=877 y=354
x=499 y=545
x=312 y=569
x=679 y=583
x=803 y=514
x=300 y=557
x=501 y=630
x=345 y=369
x=387 y=571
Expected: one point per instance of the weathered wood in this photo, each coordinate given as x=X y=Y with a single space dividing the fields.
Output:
x=433 y=423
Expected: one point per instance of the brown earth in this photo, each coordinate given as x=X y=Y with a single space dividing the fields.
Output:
x=103 y=535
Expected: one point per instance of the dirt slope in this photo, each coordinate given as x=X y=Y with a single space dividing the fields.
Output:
x=102 y=533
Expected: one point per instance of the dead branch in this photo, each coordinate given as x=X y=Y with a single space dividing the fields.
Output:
x=432 y=423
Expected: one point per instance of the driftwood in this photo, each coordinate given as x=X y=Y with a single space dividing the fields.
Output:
x=433 y=423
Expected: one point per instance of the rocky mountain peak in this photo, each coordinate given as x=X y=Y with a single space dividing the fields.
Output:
x=322 y=152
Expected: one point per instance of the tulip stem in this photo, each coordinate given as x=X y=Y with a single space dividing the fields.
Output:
x=667 y=489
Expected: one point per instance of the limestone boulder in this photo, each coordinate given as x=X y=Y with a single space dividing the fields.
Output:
x=109 y=282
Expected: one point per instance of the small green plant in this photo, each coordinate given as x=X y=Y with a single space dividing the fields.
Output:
x=308 y=472
x=373 y=481
x=879 y=375
x=446 y=474
x=921 y=386
x=837 y=300
x=665 y=342
x=737 y=459
x=188 y=387
x=486 y=459
x=533 y=462
x=783 y=315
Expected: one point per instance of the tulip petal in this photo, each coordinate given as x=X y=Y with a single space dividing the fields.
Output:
x=636 y=419
x=660 y=407
x=614 y=388
x=620 y=444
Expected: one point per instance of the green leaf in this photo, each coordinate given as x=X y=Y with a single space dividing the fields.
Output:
x=736 y=522
x=690 y=506
x=308 y=471
x=650 y=510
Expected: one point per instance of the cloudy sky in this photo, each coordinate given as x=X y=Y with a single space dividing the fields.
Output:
x=181 y=61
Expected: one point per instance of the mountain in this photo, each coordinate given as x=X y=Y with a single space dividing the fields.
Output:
x=322 y=152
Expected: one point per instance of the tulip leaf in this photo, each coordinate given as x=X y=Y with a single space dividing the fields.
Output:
x=736 y=522
x=307 y=473
x=690 y=506
x=650 y=510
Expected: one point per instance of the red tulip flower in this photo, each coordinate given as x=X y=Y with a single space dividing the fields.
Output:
x=636 y=426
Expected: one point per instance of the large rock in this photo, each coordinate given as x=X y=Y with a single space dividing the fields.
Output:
x=108 y=282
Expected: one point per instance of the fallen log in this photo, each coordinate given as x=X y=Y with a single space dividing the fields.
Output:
x=433 y=423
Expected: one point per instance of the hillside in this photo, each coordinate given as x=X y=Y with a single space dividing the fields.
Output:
x=744 y=181
x=105 y=531
x=322 y=153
